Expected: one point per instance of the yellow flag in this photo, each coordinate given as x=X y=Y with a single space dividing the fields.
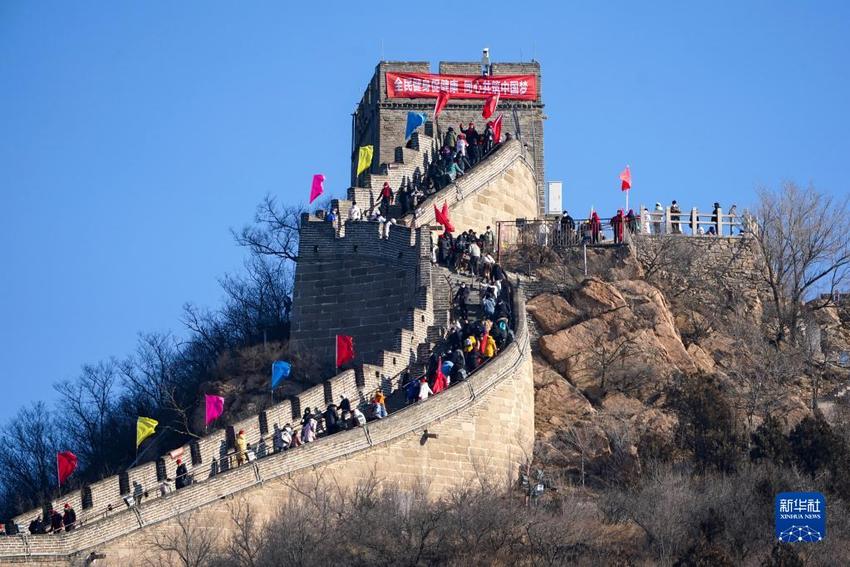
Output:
x=365 y=159
x=145 y=427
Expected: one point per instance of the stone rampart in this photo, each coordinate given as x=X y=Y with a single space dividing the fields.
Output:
x=707 y=269
x=734 y=258
x=481 y=428
x=361 y=285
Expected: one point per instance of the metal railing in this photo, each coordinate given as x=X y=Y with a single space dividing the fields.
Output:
x=553 y=232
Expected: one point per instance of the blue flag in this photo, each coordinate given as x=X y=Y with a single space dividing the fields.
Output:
x=280 y=371
x=414 y=121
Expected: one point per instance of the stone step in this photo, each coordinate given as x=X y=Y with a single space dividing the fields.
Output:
x=408 y=156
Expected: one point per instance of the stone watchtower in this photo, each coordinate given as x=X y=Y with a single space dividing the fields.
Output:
x=382 y=113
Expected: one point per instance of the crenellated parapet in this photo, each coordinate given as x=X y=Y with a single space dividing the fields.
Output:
x=370 y=282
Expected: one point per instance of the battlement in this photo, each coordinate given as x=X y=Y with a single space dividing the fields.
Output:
x=363 y=238
x=356 y=283
x=381 y=115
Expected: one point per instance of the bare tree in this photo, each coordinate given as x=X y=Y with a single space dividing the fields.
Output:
x=662 y=507
x=582 y=440
x=156 y=376
x=88 y=415
x=258 y=301
x=28 y=458
x=804 y=249
x=759 y=371
x=275 y=230
x=244 y=544
x=605 y=352
x=186 y=543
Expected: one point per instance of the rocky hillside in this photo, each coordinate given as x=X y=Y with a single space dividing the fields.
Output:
x=612 y=347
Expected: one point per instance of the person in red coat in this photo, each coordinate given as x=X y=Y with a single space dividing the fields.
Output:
x=595 y=227
x=617 y=222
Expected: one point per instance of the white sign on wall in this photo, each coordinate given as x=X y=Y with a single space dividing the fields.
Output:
x=554 y=197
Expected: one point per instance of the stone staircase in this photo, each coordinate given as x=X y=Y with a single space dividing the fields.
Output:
x=445 y=284
x=410 y=162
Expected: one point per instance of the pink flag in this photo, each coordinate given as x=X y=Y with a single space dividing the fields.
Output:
x=626 y=179
x=317 y=188
x=215 y=407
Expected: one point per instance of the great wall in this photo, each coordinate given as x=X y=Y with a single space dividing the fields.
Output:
x=483 y=426
x=386 y=293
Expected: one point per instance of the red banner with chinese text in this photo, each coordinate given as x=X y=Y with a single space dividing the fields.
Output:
x=423 y=85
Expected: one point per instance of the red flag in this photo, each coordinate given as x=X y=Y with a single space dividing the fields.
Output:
x=344 y=349
x=483 y=346
x=442 y=100
x=66 y=462
x=490 y=105
x=497 y=130
x=440 y=378
x=442 y=217
x=626 y=178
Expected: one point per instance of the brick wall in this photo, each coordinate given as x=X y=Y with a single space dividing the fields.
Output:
x=736 y=261
x=381 y=121
x=358 y=285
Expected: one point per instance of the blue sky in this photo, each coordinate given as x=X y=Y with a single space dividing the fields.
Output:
x=134 y=135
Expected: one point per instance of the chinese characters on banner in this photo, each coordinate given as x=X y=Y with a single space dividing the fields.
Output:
x=423 y=85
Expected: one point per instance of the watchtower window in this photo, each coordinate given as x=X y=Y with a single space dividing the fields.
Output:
x=124 y=483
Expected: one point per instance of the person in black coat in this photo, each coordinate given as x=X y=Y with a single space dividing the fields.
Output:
x=55 y=521
x=70 y=518
x=345 y=404
x=497 y=273
x=461 y=299
x=331 y=419
x=182 y=478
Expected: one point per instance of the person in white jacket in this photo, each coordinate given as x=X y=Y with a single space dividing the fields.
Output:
x=354 y=213
x=424 y=389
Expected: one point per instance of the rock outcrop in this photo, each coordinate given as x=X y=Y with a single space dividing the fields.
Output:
x=612 y=335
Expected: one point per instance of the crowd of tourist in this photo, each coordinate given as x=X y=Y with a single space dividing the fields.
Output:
x=469 y=342
x=467 y=345
x=459 y=151
x=567 y=231
x=54 y=523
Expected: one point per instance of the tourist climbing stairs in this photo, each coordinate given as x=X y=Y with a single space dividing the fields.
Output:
x=411 y=162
